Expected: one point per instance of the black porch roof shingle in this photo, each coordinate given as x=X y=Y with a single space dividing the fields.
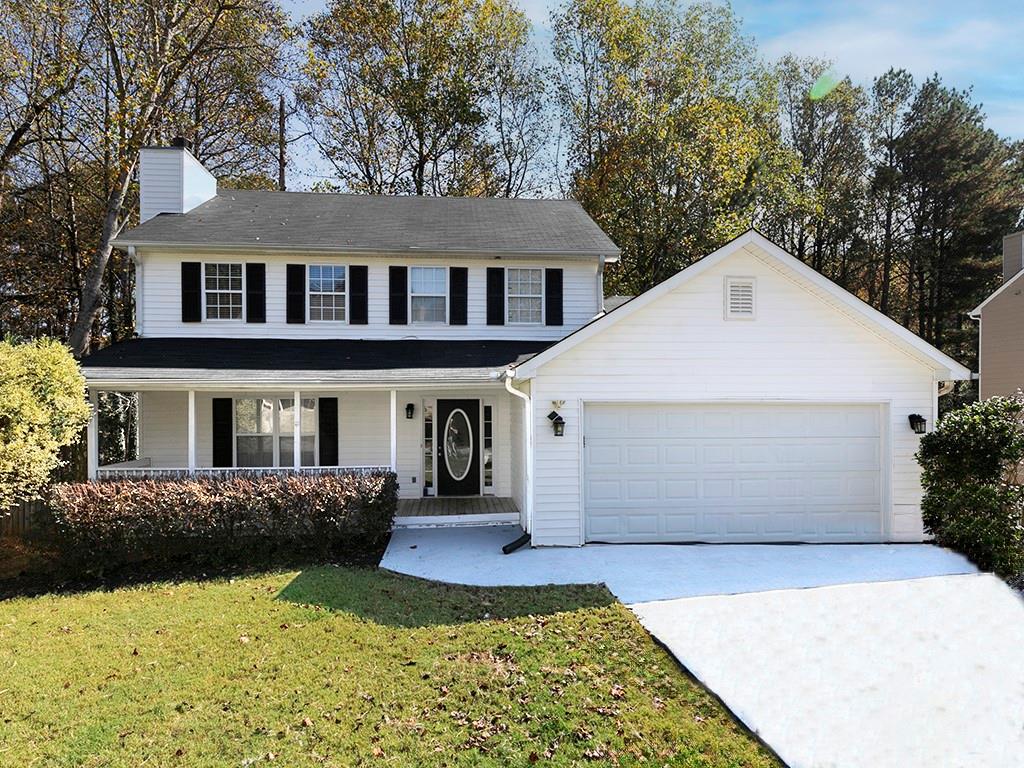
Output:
x=309 y=355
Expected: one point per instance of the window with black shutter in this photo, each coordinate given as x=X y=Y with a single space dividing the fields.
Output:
x=553 y=297
x=495 y=296
x=295 y=303
x=328 y=418
x=398 y=282
x=458 y=296
x=255 y=293
x=358 y=292
x=191 y=291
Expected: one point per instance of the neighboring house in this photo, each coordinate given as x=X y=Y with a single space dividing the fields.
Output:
x=462 y=343
x=1001 y=326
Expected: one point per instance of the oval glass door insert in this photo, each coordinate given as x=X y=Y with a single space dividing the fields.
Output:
x=458 y=444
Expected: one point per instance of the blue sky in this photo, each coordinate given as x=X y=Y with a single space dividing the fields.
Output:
x=977 y=43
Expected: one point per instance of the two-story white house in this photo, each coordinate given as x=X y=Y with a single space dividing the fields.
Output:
x=463 y=344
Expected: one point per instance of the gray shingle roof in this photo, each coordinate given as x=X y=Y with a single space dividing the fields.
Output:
x=377 y=223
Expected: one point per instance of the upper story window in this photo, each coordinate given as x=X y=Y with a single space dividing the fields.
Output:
x=428 y=294
x=223 y=291
x=525 y=295
x=327 y=292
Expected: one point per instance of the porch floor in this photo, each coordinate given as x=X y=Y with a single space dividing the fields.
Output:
x=433 y=506
x=455 y=510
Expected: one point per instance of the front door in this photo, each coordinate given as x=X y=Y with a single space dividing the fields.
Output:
x=458 y=447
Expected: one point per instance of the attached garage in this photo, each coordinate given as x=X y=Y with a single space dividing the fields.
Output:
x=745 y=399
x=732 y=472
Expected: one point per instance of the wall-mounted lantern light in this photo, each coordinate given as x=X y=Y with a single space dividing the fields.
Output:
x=557 y=423
x=917 y=423
x=410 y=409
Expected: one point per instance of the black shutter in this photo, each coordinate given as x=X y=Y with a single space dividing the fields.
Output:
x=296 y=293
x=222 y=432
x=328 y=418
x=358 y=295
x=459 y=297
x=552 y=297
x=255 y=293
x=495 y=296
x=398 y=279
x=191 y=292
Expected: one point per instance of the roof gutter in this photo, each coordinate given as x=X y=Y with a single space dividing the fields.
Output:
x=528 y=437
x=609 y=256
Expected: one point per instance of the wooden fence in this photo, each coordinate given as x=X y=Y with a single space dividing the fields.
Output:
x=23 y=518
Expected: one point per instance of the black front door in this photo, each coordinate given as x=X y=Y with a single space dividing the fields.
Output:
x=458 y=447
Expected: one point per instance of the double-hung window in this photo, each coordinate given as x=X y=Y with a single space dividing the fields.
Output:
x=264 y=432
x=525 y=295
x=428 y=294
x=286 y=434
x=254 y=432
x=327 y=292
x=223 y=291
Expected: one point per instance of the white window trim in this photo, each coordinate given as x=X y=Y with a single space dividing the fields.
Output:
x=730 y=281
x=447 y=295
x=206 y=319
x=275 y=433
x=508 y=321
x=485 y=489
x=309 y=294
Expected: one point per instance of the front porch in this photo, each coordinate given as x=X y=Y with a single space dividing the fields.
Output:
x=448 y=444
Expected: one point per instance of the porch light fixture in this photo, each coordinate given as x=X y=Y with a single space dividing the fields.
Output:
x=557 y=423
x=410 y=409
x=917 y=423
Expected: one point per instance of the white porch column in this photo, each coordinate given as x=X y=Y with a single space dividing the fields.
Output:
x=297 y=430
x=92 y=435
x=394 y=431
x=191 y=430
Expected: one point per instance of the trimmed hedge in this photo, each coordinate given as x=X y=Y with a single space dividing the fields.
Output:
x=239 y=518
x=972 y=478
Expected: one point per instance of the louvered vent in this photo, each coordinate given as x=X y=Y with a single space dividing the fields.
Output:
x=739 y=298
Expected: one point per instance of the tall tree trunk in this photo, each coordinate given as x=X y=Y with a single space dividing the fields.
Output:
x=92 y=287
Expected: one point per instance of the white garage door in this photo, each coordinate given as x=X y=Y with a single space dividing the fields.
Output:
x=732 y=473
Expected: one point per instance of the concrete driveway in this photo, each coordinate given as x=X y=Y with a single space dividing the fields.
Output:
x=838 y=656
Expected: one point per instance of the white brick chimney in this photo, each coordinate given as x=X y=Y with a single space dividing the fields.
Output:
x=171 y=180
x=1013 y=254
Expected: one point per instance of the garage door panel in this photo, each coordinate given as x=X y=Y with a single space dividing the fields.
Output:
x=733 y=473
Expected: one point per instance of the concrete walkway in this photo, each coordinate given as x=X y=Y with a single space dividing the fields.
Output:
x=856 y=656
x=643 y=572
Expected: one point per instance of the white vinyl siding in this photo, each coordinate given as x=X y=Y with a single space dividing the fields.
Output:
x=680 y=348
x=161 y=302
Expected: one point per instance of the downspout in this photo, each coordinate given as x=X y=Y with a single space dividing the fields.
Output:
x=528 y=463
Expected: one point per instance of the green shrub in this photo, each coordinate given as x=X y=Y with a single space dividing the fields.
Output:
x=973 y=497
x=240 y=518
x=42 y=409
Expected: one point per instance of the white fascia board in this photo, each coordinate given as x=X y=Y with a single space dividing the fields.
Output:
x=947 y=367
x=128 y=379
x=976 y=312
x=299 y=249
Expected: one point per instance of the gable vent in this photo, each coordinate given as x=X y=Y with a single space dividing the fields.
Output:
x=739 y=298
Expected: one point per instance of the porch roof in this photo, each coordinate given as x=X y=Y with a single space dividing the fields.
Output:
x=243 y=362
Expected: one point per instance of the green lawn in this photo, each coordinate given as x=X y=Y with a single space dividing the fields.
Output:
x=344 y=666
